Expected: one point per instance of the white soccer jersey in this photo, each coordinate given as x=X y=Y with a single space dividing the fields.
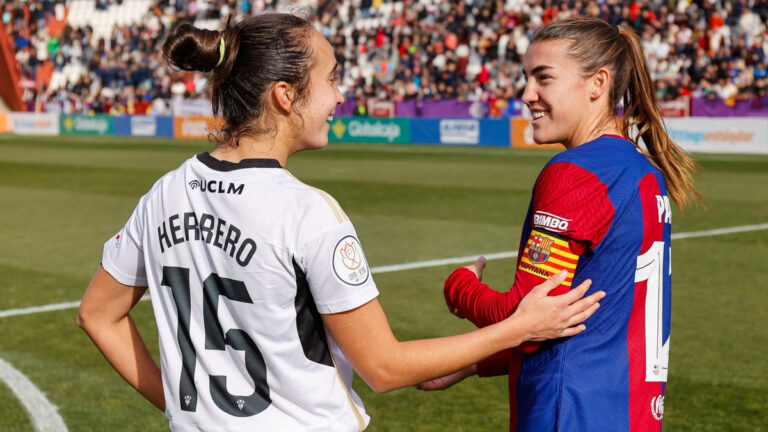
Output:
x=240 y=260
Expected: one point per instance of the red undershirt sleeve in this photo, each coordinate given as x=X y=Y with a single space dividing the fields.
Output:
x=571 y=213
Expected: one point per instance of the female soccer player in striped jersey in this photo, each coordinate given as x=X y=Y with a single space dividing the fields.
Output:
x=601 y=211
x=263 y=298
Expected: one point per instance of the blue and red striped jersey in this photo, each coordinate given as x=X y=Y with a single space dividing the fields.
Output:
x=601 y=211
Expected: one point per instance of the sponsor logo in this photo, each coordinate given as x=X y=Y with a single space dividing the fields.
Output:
x=69 y=124
x=459 y=131
x=143 y=126
x=89 y=124
x=540 y=249
x=657 y=407
x=697 y=137
x=389 y=131
x=339 y=128
x=349 y=263
x=194 y=128
x=32 y=124
x=551 y=222
x=217 y=186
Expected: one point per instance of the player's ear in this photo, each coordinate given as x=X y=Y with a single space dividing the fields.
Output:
x=600 y=82
x=283 y=95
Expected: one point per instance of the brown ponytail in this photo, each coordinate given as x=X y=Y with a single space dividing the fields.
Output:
x=596 y=44
x=641 y=113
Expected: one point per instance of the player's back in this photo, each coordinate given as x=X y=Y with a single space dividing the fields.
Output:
x=231 y=252
x=610 y=377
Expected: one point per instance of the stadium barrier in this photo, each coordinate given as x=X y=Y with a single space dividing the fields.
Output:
x=144 y=126
x=194 y=127
x=720 y=134
x=370 y=130
x=24 y=123
x=79 y=124
x=482 y=132
x=522 y=134
x=709 y=135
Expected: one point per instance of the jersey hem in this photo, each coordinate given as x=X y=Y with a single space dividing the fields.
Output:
x=121 y=277
x=347 y=304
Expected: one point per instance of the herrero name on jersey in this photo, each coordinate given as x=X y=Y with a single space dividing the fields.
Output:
x=188 y=226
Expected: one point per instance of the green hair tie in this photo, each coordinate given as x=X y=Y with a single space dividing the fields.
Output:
x=222 y=50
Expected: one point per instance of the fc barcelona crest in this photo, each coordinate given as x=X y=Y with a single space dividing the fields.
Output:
x=540 y=249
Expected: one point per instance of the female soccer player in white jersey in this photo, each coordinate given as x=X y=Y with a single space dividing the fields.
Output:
x=262 y=294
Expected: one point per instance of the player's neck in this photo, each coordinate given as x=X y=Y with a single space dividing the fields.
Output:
x=254 y=148
x=592 y=130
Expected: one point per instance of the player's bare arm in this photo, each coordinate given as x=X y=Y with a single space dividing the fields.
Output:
x=386 y=364
x=104 y=315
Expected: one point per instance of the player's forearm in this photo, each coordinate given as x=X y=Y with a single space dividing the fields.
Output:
x=122 y=346
x=416 y=361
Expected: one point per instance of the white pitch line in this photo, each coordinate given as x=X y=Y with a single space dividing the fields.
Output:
x=440 y=262
x=720 y=231
x=512 y=254
x=415 y=265
x=44 y=416
x=38 y=309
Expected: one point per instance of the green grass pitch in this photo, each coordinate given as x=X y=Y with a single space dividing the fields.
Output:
x=62 y=197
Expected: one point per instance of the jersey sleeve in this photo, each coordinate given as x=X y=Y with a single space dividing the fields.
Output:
x=570 y=215
x=123 y=255
x=337 y=271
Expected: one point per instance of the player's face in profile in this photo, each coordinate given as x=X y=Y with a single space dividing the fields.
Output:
x=323 y=96
x=555 y=92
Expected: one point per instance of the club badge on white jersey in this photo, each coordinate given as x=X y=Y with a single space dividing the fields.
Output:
x=349 y=263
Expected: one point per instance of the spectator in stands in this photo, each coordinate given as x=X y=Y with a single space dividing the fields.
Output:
x=392 y=46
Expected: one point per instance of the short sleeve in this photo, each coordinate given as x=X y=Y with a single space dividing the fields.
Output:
x=123 y=255
x=573 y=203
x=337 y=271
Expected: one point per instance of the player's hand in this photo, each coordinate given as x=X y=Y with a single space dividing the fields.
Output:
x=476 y=268
x=443 y=383
x=549 y=317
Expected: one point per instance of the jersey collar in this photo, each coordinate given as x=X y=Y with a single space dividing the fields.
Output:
x=220 y=165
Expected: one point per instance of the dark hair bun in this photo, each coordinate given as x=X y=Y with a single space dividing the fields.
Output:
x=192 y=49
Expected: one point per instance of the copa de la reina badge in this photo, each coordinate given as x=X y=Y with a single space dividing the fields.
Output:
x=349 y=263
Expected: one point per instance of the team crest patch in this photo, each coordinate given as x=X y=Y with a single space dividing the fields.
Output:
x=540 y=249
x=349 y=263
x=547 y=254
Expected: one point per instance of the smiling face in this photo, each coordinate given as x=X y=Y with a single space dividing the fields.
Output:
x=323 y=96
x=557 y=94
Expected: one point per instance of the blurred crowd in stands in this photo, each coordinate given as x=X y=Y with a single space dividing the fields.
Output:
x=468 y=50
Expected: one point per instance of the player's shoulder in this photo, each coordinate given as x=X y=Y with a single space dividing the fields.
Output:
x=606 y=159
x=313 y=204
x=609 y=146
x=168 y=179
